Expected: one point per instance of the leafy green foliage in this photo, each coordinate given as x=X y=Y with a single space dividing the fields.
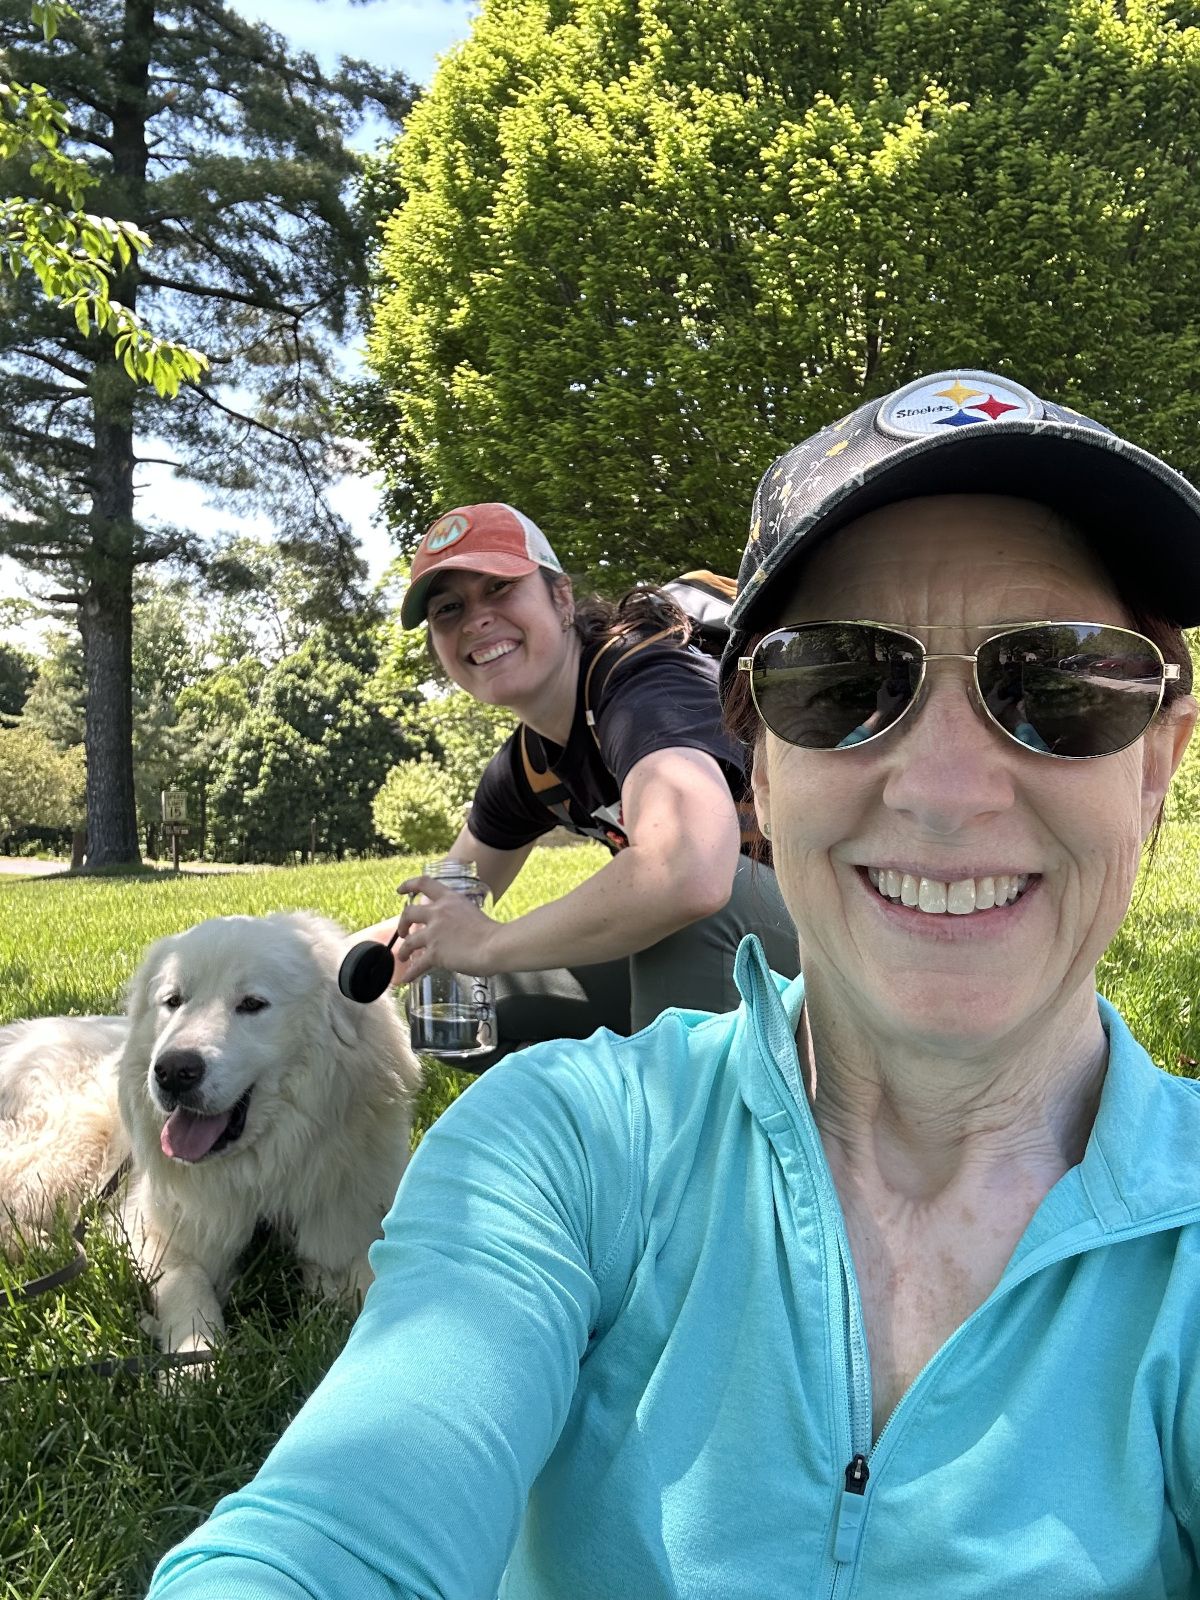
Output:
x=640 y=250
x=414 y=811
x=1183 y=801
x=313 y=747
x=72 y=253
x=17 y=673
x=463 y=734
x=40 y=787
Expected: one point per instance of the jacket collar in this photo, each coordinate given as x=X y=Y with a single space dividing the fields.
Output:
x=1139 y=1172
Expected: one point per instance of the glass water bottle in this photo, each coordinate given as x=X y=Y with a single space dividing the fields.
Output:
x=453 y=1014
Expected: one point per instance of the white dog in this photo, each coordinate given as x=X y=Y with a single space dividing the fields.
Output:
x=244 y=1086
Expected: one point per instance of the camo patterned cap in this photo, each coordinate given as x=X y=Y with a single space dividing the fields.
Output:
x=969 y=432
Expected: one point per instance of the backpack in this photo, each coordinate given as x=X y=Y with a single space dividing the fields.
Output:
x=705 y=599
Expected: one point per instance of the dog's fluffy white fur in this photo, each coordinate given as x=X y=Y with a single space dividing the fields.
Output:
x=239 y=1016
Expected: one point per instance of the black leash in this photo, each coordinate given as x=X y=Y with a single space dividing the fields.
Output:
x=33 y=1287
x=110 y=1366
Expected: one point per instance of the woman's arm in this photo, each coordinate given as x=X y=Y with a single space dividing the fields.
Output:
x=678 y=868
x=407 y=1472
x=497 y=868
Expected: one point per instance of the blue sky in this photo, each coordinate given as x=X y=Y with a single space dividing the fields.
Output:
x=407 y=34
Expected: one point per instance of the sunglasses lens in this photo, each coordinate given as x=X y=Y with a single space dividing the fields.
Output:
x=1071 y=689
x=830 y=685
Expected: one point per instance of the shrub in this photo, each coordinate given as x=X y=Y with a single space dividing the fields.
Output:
x=414 y=809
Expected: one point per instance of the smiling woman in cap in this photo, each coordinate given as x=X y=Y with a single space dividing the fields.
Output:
x=887 y=1283
x=620 y=740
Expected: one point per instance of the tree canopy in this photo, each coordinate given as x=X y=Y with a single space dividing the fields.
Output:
x=640 y=250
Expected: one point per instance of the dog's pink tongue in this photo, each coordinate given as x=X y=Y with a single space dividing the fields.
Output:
x=187 y=1136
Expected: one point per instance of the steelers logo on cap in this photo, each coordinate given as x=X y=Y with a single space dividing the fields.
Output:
x=446 y=530
x=956 y=400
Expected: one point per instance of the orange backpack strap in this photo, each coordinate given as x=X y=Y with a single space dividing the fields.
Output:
x=590 y=687
x=714 y=584
x=545 y=782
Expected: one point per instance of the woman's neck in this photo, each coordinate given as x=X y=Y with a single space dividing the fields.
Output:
x=550 y=710
x=913 y=1121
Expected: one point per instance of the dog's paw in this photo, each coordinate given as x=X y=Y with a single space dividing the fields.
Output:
x=349 y=1283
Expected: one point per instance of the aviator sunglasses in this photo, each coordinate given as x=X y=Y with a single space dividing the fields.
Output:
x=1074 y=690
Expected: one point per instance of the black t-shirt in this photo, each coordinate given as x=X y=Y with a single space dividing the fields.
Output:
x=660 y=697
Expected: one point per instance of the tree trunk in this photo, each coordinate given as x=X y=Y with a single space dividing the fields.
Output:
x=78 y=848
x=106 y=625
x=106 y=613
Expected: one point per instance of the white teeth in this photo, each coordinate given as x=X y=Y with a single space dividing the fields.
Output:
x=960 y=898
x=492 y=652
x=931 y=895
x=937 y=897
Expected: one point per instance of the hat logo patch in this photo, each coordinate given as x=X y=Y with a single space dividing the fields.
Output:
x=956 y=400
x=446 y=530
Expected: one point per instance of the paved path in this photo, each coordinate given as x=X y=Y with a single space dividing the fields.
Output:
x=29 y=867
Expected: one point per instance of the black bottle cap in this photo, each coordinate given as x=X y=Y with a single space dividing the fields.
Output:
x=366 y=971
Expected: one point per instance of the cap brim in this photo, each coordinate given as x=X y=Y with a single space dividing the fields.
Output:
x=1142 y=518
x=499 y=564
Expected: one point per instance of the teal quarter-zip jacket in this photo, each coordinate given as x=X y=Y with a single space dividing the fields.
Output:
x=614 y=1351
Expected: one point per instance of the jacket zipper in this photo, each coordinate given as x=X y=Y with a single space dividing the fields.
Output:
x=850 y=1510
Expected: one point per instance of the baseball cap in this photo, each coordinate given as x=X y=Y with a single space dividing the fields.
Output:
x=488 y=537
x=971 y=432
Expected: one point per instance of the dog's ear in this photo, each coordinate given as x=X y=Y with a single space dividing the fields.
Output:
x=342 y=1014
x=325 y=941
x=137 y=990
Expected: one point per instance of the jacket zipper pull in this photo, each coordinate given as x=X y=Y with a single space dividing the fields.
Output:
x=851 y=1510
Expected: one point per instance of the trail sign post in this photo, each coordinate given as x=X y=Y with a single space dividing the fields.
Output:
x=174 y=816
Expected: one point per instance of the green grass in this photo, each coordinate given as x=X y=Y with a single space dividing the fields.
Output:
x=99 y=1475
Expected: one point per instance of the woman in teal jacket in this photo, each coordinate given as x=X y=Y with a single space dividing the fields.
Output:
x=887 y=1283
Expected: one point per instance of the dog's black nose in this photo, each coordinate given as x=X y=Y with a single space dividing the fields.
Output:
x=178 y=1071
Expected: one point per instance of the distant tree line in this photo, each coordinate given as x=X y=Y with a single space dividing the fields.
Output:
x=292 y=733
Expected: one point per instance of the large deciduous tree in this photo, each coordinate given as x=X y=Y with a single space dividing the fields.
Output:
x=230 y=152
x=641 y=249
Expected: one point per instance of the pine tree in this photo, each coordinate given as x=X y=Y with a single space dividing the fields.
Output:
x=230 y=152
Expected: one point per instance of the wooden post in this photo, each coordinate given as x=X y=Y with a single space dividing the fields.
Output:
x=312 y=840
x=175 y=848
